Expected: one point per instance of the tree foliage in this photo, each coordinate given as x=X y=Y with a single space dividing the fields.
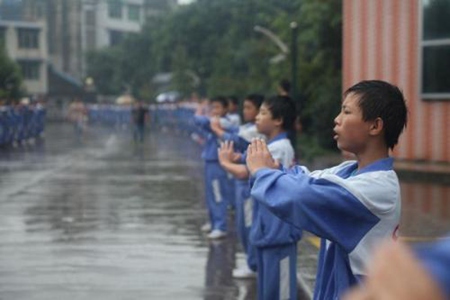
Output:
x=10 y=77
x=216 y=41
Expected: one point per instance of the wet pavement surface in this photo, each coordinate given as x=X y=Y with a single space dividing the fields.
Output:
x=108 y=219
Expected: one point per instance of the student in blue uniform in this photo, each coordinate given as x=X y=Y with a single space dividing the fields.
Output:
x=397 y=272
x=233 y=108
x=274 y=240
x=352 y=206
x=244 y=204
x=217 y=185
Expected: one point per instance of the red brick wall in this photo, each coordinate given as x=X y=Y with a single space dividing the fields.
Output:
x=381 y=41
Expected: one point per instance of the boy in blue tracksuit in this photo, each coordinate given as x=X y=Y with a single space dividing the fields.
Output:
x=217 y=184
x=274 y=240
x=351 y=206
x=244 y=204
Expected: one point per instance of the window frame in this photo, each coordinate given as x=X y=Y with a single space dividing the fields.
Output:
x=428 y=43
x=115 y=4
x=138 y=8
x=30 y=70
x=28 y=38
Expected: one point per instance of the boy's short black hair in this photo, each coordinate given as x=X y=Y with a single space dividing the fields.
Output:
x=285 y=85
x=255 y=99
x=282 y=107
x=380 y=99
x=234 y=100
x=220 y=99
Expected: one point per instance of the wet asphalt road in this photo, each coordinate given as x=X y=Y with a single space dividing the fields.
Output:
x=109 y=220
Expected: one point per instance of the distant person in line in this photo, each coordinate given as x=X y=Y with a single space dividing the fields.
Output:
x=353 y=206
x=78 y=115
x=233 y=111
x=241 y=138
x=284 y=87
x=400 y=273
x=273 y=240
x=140 y=117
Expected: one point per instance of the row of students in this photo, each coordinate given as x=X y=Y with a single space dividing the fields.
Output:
x=272 y=249
x=270 y=244
x=352 y=206
x=244 y=204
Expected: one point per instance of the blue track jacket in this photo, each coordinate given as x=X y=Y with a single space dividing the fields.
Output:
x=350 y=211
x=209 y=152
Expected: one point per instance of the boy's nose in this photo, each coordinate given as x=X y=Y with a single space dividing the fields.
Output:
x=336 y=120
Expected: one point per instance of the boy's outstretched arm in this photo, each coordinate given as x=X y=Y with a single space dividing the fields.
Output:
x=202 y=122
x=323 y=206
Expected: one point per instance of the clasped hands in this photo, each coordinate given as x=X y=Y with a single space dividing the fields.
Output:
x=259 y=157
x=227 y=154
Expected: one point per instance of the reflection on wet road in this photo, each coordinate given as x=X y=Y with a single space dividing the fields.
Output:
x=109 y=220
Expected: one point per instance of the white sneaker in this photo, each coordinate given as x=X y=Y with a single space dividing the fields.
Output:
x=217 y=234
x=244 y=273
x=206 y=227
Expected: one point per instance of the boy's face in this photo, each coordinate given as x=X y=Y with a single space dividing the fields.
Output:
x=265 y=123
x=249 y=111
x=218 y=110
x=351 y=131
x=232 y=107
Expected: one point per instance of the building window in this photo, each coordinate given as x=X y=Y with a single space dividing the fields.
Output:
x=134 y=13
x=436 y=49
x=28 y=38
x=30 y=69
x=115 y=37
x=115 y=9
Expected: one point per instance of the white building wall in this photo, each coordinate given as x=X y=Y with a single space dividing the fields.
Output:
x=105 y=23
x=39 y=86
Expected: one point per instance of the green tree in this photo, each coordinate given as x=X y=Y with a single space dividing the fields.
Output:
x=10 y=77
x=215 y=39
x=181 y=80
x=103 y=68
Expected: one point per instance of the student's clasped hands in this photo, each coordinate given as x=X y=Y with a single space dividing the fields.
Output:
x=259 y=157
x=227 y=154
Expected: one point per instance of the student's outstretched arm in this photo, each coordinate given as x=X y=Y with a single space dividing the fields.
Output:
x=323 y=206
x=203 y=122
x=230 y=134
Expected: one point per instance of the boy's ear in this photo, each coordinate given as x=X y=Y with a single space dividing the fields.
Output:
x=279 y=122
x=377 y=126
